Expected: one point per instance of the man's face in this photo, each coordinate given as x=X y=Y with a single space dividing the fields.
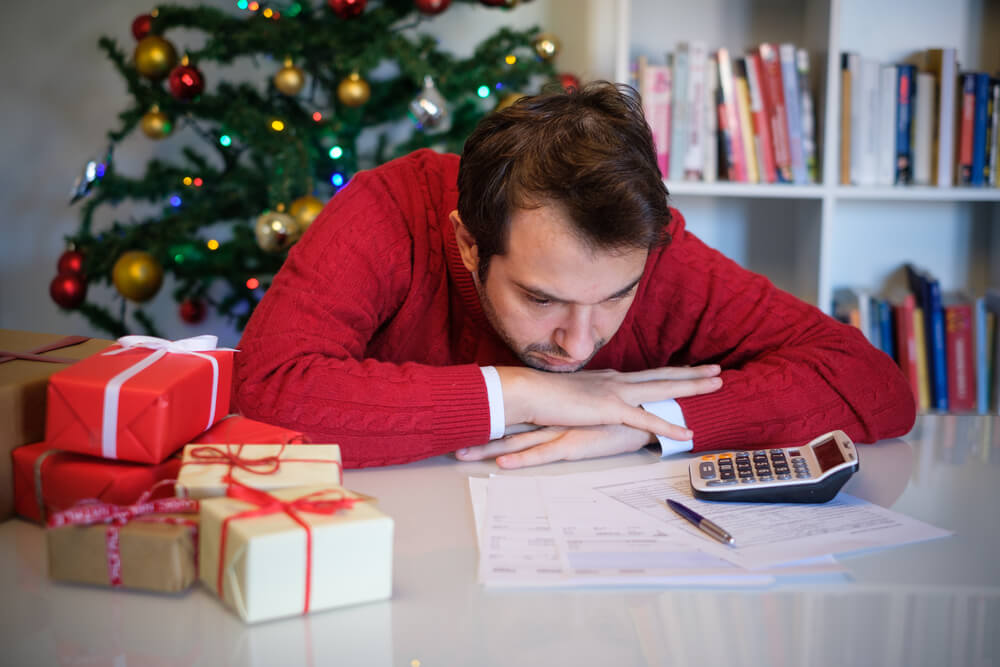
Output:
x=551 y=298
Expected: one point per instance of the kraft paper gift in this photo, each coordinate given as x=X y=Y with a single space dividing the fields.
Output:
x=27 y=359
x=141 y=400
x=293 y=551
x=205 y=468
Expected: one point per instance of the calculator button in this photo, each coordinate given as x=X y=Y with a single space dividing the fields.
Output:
x=800 y=475
x=748 y=480
x=720 y=482
x=706 y=470
x=784 y=475
x=727 y=474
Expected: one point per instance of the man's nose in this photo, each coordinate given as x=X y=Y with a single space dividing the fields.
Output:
x=576 y=336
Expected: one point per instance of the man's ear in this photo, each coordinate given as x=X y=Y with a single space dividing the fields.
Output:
x=466 y=243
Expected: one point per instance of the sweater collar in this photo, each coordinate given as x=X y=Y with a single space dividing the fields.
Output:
x=462 y=279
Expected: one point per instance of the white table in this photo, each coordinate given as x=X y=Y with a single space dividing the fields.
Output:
x=935 y=603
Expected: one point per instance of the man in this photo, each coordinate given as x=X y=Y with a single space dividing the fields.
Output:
x=434 y=305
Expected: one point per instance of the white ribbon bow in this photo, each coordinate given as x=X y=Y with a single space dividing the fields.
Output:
x=161 y=347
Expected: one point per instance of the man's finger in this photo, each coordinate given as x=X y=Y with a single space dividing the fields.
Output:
x=661 y=390
x=673 y=373
x=511 y=443
x=647 y=421
x=547 y=452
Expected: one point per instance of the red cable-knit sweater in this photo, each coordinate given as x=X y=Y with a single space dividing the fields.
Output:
x=372 y=335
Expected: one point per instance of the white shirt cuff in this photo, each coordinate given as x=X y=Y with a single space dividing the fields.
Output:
x=494 y=393
x=670 y=410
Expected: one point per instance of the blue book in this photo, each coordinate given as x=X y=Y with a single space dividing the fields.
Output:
x=982 y=356
x=790 y=86
x=935 y=326
x=982 y=88
x=887 y=330
x=906 y=80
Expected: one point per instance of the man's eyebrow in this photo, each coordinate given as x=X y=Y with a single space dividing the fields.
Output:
x=542 y=294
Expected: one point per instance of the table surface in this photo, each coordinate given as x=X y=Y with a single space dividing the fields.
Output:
x=933 y=603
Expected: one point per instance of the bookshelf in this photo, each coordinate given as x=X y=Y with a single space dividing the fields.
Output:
x=812 y=239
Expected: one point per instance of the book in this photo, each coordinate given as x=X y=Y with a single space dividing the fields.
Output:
x=943 y=66
x=680 y=108
x=776 y=110
x=867 y=92
x=927 y=291
x=967 y=102
x=746 y=122
x=858 y=133
x=734 y=134
x=992 y=304
x=906 y=343
x=654 y=89
x=886 y=169
x=808 y=113
x=853 y=305
x=981 y=340
x=886 y=327
x=960 y=362
x=905 y=84
x=763 y=145
x=923 y=129
x=923 y=372
x=694 y=159
x=846 y=94
x=710 y=146
x=992 y=134
x=790 y=83
x=979 y=121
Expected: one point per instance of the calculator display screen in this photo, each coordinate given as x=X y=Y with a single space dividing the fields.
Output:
x=828 y=454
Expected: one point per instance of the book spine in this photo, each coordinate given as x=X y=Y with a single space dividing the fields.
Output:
x=887 y=127
x=993 y=129
x=777 y=114
x=923 y=373
x=905 y=75
x=887 y=326
x=965 y=127
x=711 y=144
x=681 y=109
x=923 y=129
x=982 y=355
x=846 y=92
x=789 y=80
x=733 y=129
x=808 y=112
x=958 y=342
x=654 y=88
x=694 y=160
x=947 y=79
x=906 y=344
x=856 y=66
x=980 y=115
x=936 y=331
x=868 y=122
x=746 y=122
x=761 y=129
x=725 y=155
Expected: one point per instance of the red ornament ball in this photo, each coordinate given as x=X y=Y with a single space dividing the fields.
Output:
x=569 y=81
x=68 y=290
x=347 y=9
x=192 y=311
x=186 y=82
x=432 y=6
x=71 y=261
x=141 y=26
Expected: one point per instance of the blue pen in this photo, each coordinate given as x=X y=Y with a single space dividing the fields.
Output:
x=703 y=524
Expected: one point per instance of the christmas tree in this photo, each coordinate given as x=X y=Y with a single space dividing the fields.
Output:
x=334 y=81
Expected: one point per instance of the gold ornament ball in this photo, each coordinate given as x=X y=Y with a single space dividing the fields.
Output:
x=276 y=231
x=507 y=100
x=304 y=210
x=155 y=124
x=290 y=79
x=154 y=57
x=547 y=46
x=137 y=275
x=353 y=91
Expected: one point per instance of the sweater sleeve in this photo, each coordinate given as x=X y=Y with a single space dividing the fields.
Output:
x=302 y=362
x=790 y=372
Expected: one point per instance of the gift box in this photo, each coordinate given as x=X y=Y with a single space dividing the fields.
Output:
x=206 y=469
x=292 y=551
x=237 y=429
x=141 y=400
x=27 y=360
x=47 y=480
x=151 y=545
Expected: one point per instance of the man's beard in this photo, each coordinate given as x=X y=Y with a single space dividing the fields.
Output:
x=550 y=349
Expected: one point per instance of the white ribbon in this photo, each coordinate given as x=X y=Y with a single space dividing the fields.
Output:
x=161 y=347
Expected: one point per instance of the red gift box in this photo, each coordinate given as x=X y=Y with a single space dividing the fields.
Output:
x=141 y=400
x=238 y=430
x=60 y=479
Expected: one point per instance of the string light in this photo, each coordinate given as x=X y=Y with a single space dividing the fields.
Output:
x=198 y=182
x=511 y=59
x=317 y=116
x=253 y=283
x=225 y=140
x=187 y=180
x=175 y=201
x=179 y=258
x=337 y=179
x=242 y=4
x=336 y=152
x=294 y=9
x=483 y=91
x=212 y=244
x=277 y=125
x=254 y=6
x=268 y=12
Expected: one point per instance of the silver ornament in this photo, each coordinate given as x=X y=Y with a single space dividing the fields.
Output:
x=93 y=171
x=429 y=109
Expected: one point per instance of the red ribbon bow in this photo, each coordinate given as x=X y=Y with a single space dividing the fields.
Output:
x=36 y=354
x=91 y=511
x=215 y=454
x=317 y=502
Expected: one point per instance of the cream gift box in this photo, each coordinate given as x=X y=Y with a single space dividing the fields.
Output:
x=206 y=468
x=292 y=551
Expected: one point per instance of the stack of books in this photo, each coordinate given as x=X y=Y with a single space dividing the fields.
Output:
x=922 y=122
x=946 y=344
x=715 y=115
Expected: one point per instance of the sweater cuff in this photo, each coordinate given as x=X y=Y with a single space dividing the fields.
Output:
x=494 y=393
x=669 y=410
x=717 y=424
x=461 y=408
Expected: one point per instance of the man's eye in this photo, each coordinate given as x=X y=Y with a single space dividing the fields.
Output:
x=539 y=301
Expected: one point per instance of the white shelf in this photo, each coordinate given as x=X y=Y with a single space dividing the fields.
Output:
x=917 y=193
x=753 y=190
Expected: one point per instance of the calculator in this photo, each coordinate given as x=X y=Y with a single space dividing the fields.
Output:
x=811 y=473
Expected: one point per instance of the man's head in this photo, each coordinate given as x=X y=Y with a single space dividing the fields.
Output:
x=560 y=200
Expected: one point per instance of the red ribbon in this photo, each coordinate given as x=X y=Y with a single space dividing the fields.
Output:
x=267 y=504
x=214 y=455
x=91 y=511
x=36 y=354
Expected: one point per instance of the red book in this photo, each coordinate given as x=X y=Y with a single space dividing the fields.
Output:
x=759 y=103
x=966 y=126
x=907 y=348
x=60 y=479
x=777 y=115
x=958 y=340
x=734 y=130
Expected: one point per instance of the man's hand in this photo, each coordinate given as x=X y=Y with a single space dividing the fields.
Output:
x=597 y=398
x=558 y=443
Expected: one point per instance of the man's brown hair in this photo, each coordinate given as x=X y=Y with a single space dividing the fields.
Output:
x=588 y=150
